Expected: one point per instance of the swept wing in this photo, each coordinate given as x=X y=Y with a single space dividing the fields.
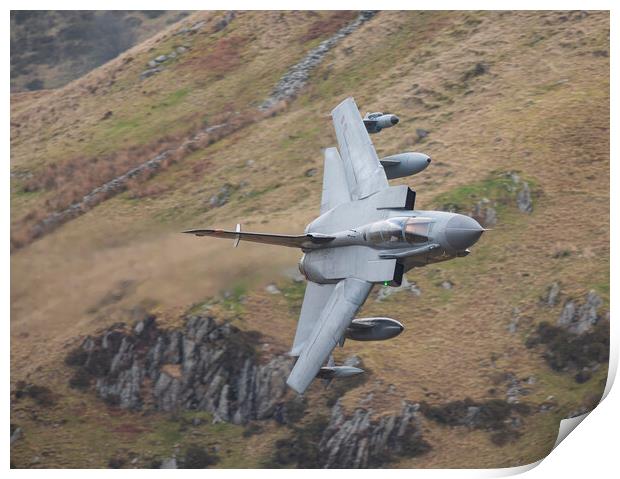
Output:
x=315 y=299
x=293 y=241
x=364 y=172
x=345 y=300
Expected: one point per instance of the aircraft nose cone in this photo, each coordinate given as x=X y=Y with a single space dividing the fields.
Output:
x=394 y=120
x=462 y=232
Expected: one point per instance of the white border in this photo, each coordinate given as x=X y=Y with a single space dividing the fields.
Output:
x=591 y=452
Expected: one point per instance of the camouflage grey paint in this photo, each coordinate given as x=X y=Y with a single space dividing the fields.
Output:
x=368 y=232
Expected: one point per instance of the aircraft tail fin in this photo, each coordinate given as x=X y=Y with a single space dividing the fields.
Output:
x=335 y=186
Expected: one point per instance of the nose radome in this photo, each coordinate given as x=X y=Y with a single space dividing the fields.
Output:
x=394 y=120
x=462 y=232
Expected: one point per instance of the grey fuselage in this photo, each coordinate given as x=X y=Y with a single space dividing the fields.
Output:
x=373 y=236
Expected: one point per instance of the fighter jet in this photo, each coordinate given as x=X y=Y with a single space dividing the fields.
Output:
x=368 y=233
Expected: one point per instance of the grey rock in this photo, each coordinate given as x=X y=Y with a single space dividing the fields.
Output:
x=223 y=23
x=421 y=133
x=197 y=368
x=360 y=440
x=515 y=389
x=447 y=284
x=167 y=391
x=16 y=435
x=197 y=26
x=568 y=314
x=311 y=172
x=552 y=294
x=484 y=213
x=297 y=76
x=471 y=418
x=221 y=197
x=150 y=72
x=580 y=319
x=514 y=321
x=222 y=408
x=272 y=289
x=139 y=327
x=169 y=463
x=215 y=127
x=161 y=59
x=524 y=199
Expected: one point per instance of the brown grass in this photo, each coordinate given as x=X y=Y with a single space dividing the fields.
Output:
x=71 y=180
x=329 y=25
x=224 y=56
x=519 y=116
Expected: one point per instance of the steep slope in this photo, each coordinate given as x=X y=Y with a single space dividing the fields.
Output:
x=51 y=48
x=490 y=96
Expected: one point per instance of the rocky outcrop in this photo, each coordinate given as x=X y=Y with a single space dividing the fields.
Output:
x=154 y=65
x=206 y=366
x=524 y=197
x=502 y=418
x=579 y=319
x=484 y=213
x=578 y=342
x=357 y=440
x=222 y=196
x=553 y=294
x=360 y=441
x=297 y=76
x=16 y=434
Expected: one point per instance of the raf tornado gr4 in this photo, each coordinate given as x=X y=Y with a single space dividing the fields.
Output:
x=368 y=232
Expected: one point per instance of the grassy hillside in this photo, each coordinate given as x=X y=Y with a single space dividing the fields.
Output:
x=499 y=93
x=51 y=48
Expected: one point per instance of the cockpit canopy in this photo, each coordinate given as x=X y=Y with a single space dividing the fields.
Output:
x=413 y=230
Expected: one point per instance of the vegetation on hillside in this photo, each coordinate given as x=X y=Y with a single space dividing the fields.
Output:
x=490 y=96
x=51 y=48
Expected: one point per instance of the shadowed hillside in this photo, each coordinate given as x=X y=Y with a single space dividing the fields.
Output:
x=131 y=336
x=49 y=49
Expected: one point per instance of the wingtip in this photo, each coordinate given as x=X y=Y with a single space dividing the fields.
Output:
x=346 y=100
x=295 y=387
